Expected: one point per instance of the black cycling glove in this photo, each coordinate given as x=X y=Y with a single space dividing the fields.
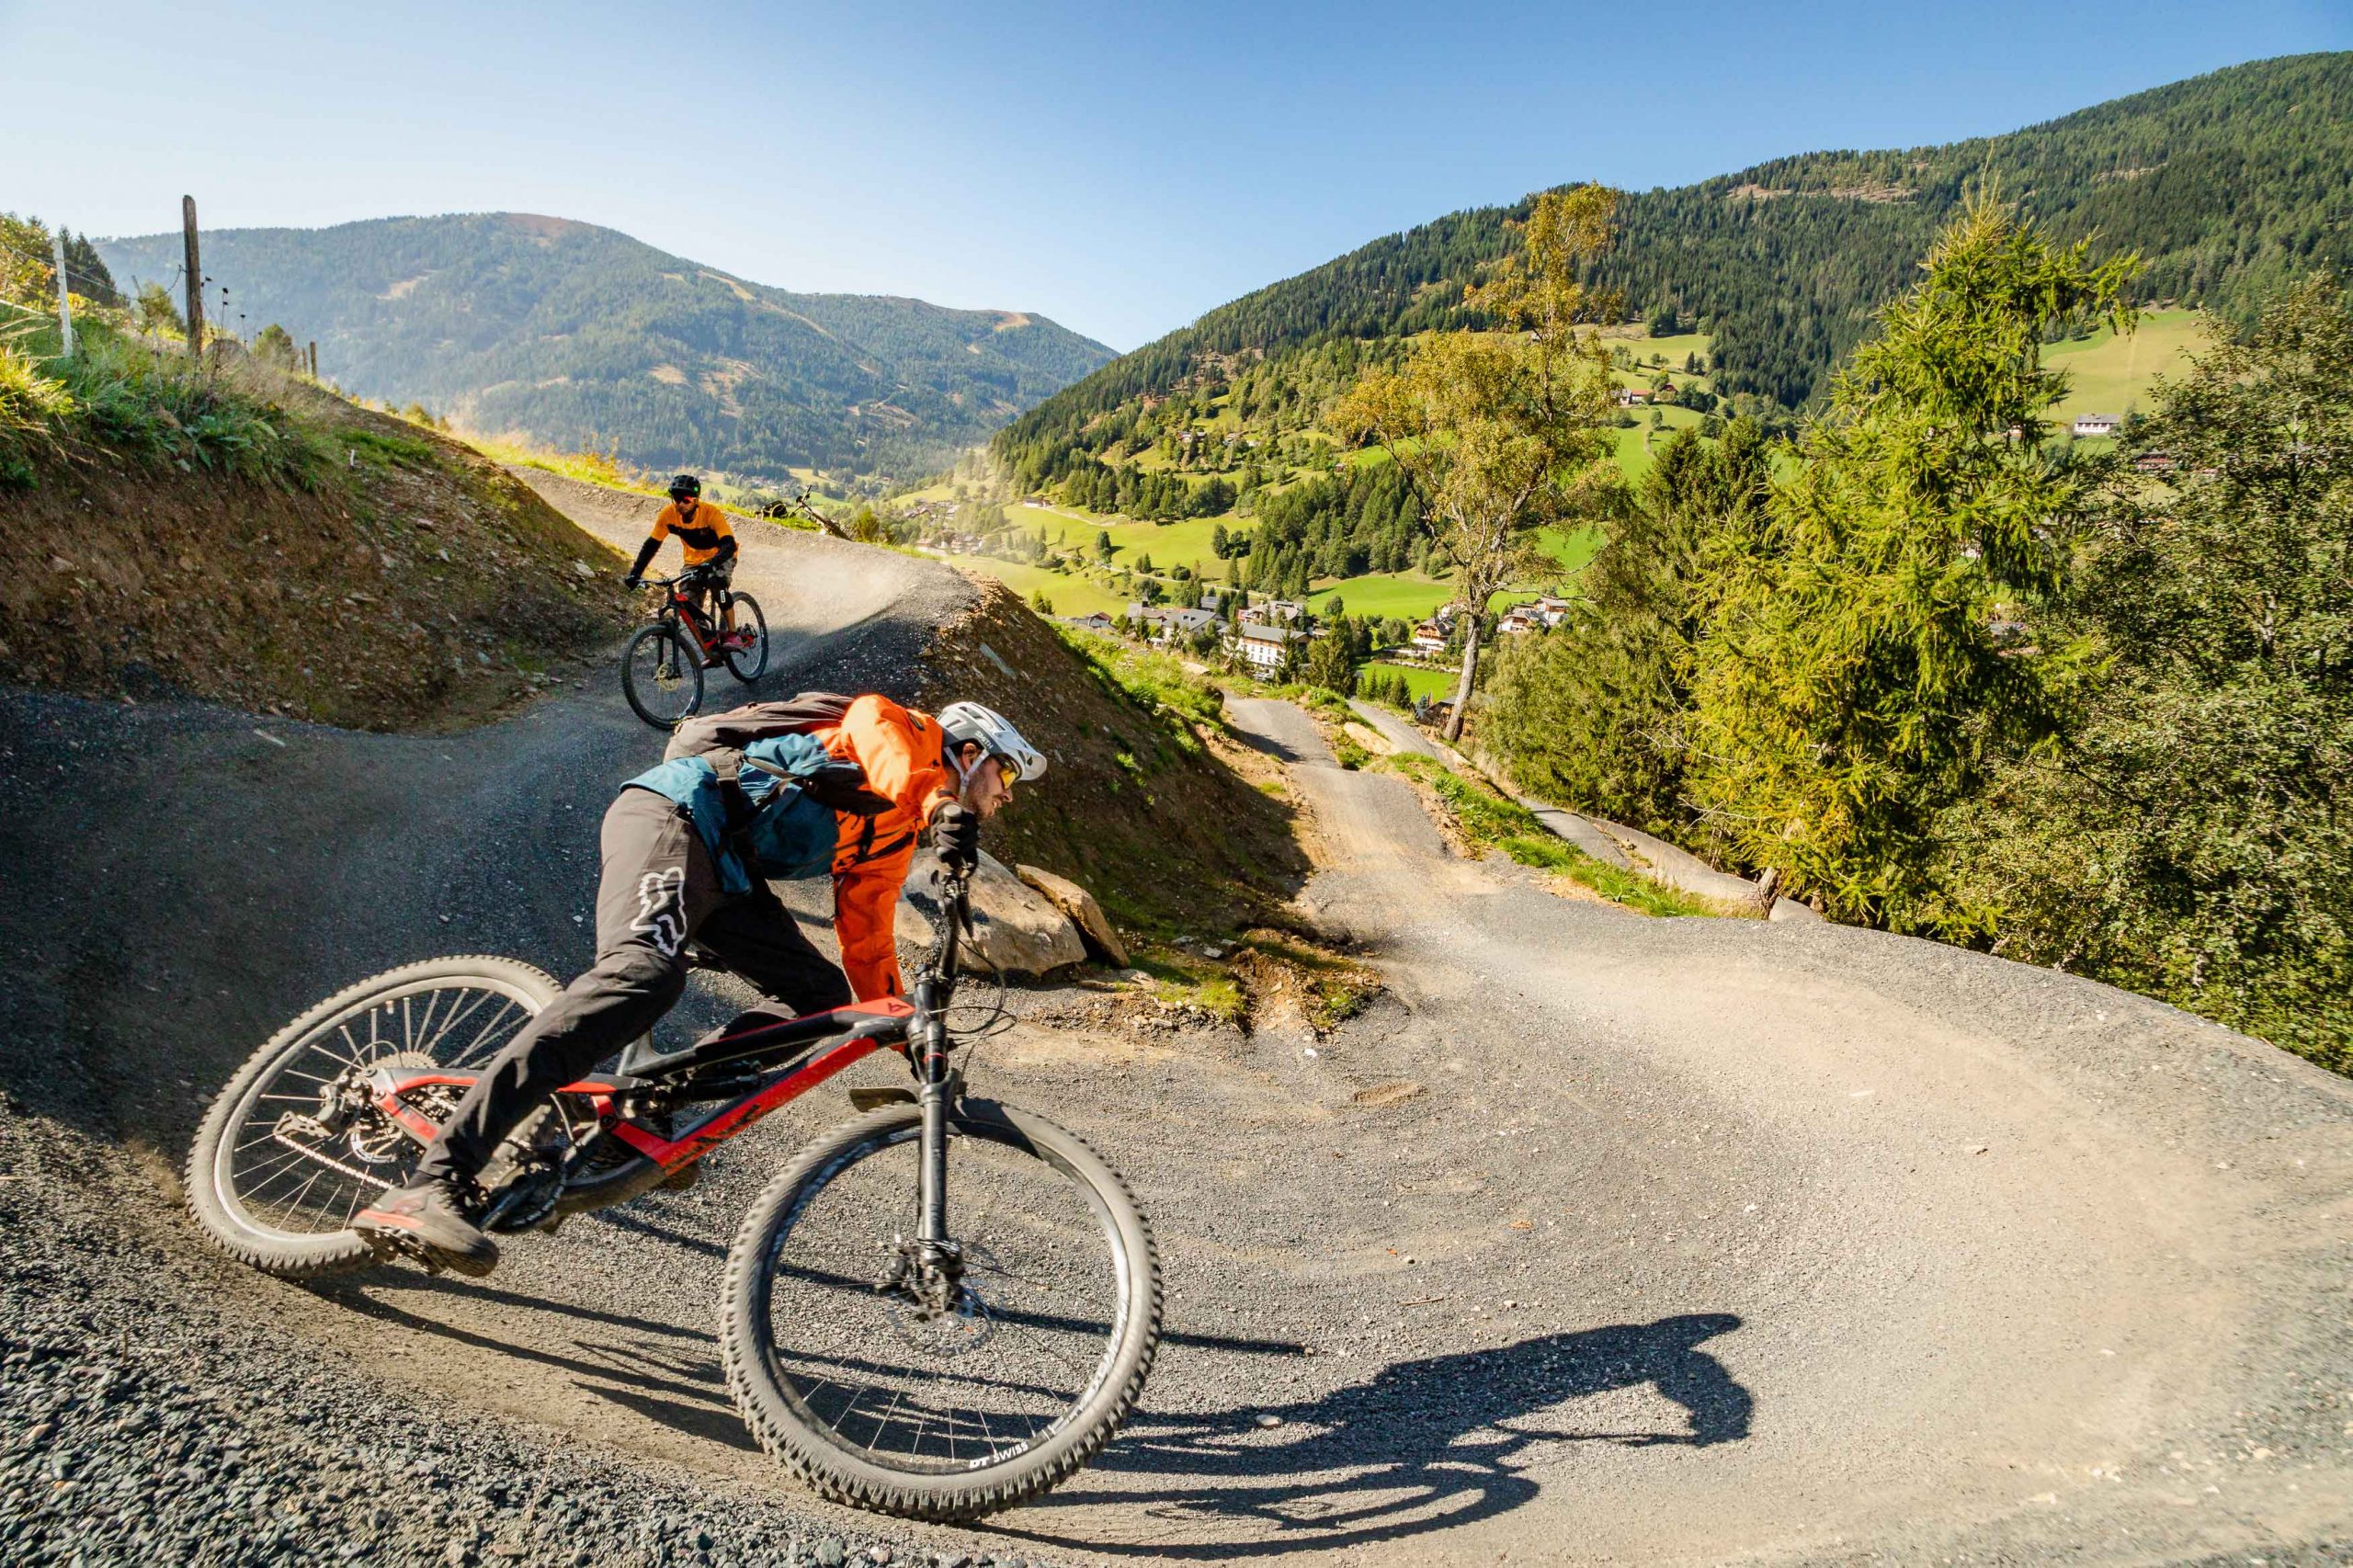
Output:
x=956 y=834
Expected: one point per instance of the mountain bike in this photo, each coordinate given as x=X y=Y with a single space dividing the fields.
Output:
x=661 y=667
x=943 y=1307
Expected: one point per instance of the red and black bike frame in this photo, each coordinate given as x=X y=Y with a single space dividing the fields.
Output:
x=679 y=606
x=844 y=1037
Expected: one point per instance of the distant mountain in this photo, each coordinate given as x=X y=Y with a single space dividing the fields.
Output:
x=577 y=335
x=2227 y=184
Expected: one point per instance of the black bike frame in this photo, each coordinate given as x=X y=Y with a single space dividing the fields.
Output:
x=927 y=1045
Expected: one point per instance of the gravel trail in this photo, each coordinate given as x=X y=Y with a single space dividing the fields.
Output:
x=1594 y=1238
x=180 y=880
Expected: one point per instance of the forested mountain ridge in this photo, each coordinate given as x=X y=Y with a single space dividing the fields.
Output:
x=577 y=335
x=2227 y=184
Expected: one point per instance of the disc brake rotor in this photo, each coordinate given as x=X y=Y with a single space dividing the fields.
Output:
x=959 y=1324
x=376 y=1138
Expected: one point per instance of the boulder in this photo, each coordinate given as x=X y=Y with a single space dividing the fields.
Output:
x=1015 y=931
x=1079 y=905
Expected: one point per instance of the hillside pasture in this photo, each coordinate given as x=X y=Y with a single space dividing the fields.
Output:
x=2109 y=372
x=1069 y=595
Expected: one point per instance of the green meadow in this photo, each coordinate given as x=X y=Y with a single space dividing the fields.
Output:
x=2109 y=372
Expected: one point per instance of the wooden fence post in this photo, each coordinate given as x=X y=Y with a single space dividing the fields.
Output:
x=194 y=278
x=64 y=288
x=314 y=358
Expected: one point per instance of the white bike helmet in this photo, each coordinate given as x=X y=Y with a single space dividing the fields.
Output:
x=996 y=735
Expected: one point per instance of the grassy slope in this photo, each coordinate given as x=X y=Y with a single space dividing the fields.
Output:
x=2109 y=374
x=1144 y=805
x=1068 y=595
x=413 y=585
x=1436 y=682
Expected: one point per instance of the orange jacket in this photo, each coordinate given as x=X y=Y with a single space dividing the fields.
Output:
x=905 y=761
x=698 y=540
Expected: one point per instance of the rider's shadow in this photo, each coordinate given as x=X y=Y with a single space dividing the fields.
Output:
x=1425 y=1444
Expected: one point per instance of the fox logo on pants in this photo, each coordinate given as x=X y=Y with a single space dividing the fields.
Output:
x=661 y=909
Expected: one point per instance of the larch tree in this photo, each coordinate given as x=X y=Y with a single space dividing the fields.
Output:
x=1498 y=432
x=1857 y=680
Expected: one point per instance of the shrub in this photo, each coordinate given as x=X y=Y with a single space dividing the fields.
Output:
x=2192 y=839
x=116 y=394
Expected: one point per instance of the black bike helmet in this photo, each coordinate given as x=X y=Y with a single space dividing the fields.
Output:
x=686 y=485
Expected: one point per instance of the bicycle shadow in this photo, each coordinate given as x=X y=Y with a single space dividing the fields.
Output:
x=1426 y=1445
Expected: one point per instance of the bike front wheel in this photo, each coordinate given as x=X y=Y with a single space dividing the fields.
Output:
x=746 y=663
x=662 y=676
x=940 y=1407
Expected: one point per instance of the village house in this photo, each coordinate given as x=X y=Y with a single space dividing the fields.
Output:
x=1167 y=623
x=1518 y=619
x=1429 y=638
x=1279 y=612
x=1097 y=621
x=2097 y=423
x=1551 y=608
x=1629 y=396
x=1262 y=645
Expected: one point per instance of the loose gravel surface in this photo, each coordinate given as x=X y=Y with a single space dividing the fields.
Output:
x=1594 y=1238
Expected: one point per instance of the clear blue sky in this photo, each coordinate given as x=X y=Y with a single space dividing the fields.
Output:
x=1119 y=168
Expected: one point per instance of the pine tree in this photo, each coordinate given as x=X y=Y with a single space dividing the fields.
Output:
x=1851 y=688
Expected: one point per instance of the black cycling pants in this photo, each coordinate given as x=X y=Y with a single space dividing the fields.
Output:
x=658 y=888
x=717 y=576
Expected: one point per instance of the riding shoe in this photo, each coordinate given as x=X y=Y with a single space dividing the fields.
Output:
x=438 y=1215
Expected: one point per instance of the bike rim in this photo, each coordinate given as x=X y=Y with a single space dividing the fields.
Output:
x=287 y=1182
x=1032 y=1344
x=746 y=664
x=665 y=676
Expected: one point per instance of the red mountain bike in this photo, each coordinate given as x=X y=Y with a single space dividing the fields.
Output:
x=661 y=667
x=894 y=1350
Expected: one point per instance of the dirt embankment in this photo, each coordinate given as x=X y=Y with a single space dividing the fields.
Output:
x=416 y=586
x=1166 y=827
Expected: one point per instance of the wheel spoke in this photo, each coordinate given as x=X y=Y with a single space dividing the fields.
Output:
x=473 y=1046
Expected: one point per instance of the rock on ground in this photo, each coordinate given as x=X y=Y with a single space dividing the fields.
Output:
x=1079 y=905
x=1016 y=931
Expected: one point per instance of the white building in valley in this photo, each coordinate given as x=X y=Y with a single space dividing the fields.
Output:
x=1262 y=645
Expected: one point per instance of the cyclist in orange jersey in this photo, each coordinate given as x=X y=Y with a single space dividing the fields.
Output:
x=708 y=543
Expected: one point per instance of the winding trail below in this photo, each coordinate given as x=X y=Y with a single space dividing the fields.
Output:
x=1596 y=1238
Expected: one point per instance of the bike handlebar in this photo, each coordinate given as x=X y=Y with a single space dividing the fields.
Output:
x=671 y=582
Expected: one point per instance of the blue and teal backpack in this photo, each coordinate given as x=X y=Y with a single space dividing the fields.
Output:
x=764 y=804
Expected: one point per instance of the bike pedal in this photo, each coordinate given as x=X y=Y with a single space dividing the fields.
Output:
x=388 y=1250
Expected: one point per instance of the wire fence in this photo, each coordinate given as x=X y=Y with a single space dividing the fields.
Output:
x=58 y=274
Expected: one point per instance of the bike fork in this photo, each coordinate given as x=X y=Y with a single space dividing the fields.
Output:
x=934 y=1093
x=932 y=1186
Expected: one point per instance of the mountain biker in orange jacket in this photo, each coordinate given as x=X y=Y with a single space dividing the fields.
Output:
x=665 y=881
x=706 y=540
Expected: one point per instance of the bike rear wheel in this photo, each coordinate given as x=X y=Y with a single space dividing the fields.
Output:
x=283 y=1160
x=871 y=1402
x=662 y=676
x=745 y=664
